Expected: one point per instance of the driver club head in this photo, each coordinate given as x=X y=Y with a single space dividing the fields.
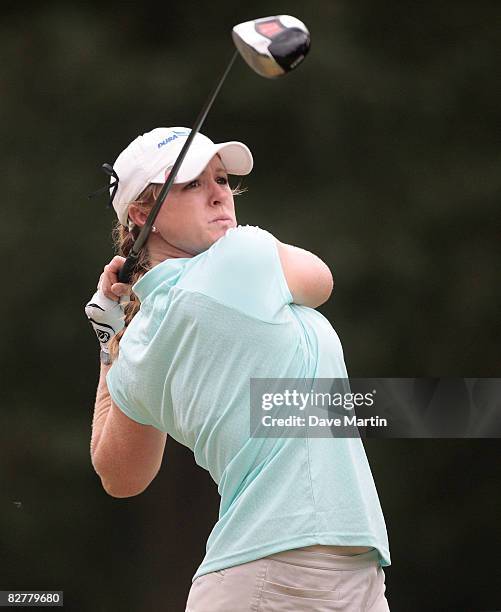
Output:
x=272 y=46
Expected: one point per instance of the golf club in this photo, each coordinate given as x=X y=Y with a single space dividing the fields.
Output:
x=272 y=47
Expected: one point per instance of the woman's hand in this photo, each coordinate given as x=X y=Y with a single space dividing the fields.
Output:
x=108 y=282
x=104 y=310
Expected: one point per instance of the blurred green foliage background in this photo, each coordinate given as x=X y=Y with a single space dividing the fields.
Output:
x=380 y=154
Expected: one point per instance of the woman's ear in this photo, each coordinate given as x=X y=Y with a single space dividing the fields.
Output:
x=137 y=215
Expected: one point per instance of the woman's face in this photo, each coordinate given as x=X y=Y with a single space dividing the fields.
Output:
x=196 y=214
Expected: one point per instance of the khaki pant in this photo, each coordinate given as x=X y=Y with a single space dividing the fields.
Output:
x=300 y=580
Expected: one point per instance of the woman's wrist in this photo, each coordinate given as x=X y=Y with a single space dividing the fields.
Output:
x=105 y=357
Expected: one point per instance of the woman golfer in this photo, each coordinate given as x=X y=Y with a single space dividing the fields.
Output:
x=215 y=305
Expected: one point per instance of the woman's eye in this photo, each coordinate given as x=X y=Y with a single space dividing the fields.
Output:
x=222 y=180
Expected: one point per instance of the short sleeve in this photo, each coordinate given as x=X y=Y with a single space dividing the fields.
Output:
x=243 y=270
x=117 y=382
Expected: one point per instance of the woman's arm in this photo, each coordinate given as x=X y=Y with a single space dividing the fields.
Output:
x=308 y=277
x=125 y=454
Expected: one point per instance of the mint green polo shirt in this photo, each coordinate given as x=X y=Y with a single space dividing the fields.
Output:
x=206 y=326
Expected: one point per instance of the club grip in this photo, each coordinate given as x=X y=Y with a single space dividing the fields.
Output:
x=126 y=271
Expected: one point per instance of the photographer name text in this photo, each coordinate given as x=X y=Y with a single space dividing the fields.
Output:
x=315 y=421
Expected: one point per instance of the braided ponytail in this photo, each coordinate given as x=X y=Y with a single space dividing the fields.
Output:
x=124 y=239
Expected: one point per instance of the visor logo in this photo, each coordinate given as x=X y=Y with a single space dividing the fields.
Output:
x=175 y=134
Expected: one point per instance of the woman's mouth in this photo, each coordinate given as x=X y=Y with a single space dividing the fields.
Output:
x=222 y=219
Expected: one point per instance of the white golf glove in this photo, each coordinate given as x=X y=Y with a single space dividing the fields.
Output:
x=106 y=317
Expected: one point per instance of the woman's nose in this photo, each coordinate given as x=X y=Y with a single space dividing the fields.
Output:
x=219 y=193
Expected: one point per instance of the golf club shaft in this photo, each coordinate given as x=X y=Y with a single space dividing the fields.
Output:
x=127 y=269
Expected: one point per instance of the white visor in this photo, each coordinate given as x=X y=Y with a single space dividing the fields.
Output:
x=150 y=157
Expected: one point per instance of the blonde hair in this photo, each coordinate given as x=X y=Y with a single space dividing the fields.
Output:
x=123 y=239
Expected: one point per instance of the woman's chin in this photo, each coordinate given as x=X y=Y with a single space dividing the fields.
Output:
x=219 y=228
